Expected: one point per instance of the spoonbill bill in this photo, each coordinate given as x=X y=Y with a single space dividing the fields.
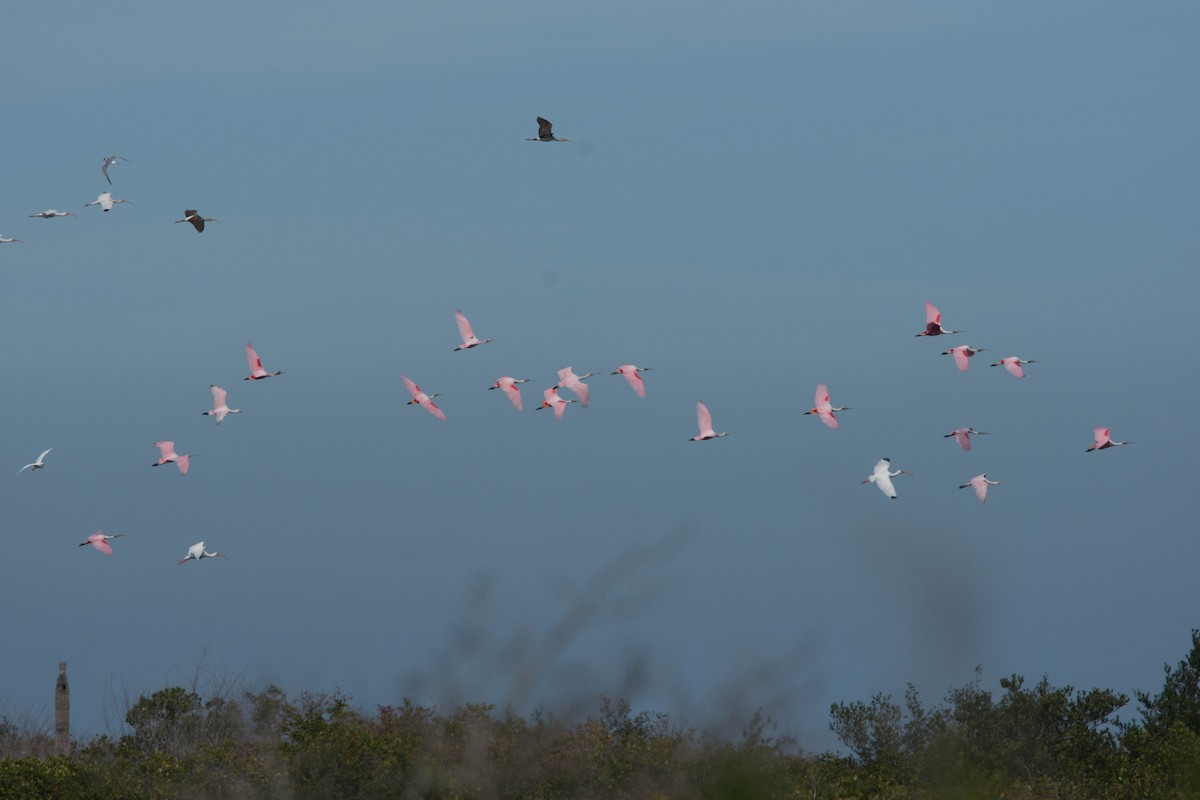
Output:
x=110 y=161
x=552 y=400
x=193 y=216
x=256 y=368
x=1103 y=440
x=882 y=477
x=704 y=422
x=469 y=339
x=962 y=353
x=167 y=449
x=197 y=552
x=99 y=541
x=933 y=322
x=546 y=132
x=981 y=484
x=51 y=213
x=1013 y=365
x=824 y=410
x=569 y=380
x=422 y=399
x=39 y=464
x=630 y=371
x=105 y=201
x=9 y=241
x=963 y=437
x=511 y=390
x=220 y=407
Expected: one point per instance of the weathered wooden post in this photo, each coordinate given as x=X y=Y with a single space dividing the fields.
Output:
x=62 y=712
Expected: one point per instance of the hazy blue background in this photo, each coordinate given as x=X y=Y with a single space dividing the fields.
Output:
x=761 y=199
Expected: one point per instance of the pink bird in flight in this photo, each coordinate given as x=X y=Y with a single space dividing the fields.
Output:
x=256 y=368
x=962 y=353
x=933 y=322
x=630 y=372
x=1103 y=440
x=824 y=409
x=168 y=456
x=422 y=399
x=1013 y=365
x=220 y=407
x=99 y=541
x=552 y=400
x=704 y=422
x=511 y=390
x=963 y=437
x=981 y=484
x=469 y=339
x=567 y=379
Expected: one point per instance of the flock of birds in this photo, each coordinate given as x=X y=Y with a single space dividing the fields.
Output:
x=881 y=476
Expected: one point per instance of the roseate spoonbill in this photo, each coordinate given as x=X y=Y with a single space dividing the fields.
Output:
x=630 y=372
x=193 y=216
x=422 y=399
x=99 y=541
x=110 y=161
x=545 y=132
x=167 y=449
x=105 y=201
x=256 y=368
x=468 y=336
x=882 y=477
x=981 y=484
x=1013 y=365
x=511 y=390
x=933 y=322
x=569 y=380
x=552 y=400
x=704 y=422
x=198 y=552
x=9 y=241
x=39 y=464
x=962 y=353
x=963 y=436
x=220 y=407
x=51 y=213
x=1103 y=440
x=824 y=410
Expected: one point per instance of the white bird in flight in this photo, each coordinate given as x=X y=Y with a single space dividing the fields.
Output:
x=110 y=161
x=198 y=552
x=704 y=423
x=9 y=241
x=469 y=339
x=220 y=407
x=882 y=477
x=51 y=213
x=39 y=464
x=105 y=201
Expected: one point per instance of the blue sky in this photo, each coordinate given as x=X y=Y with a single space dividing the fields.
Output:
x=760 y=200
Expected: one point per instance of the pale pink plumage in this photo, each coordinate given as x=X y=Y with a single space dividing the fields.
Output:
x=630 y=372
x=256 y=366
x=569 y=380
x=1013 y=365
x=100 y=541
x=1104 y=440
x=552 y=400
x=169 y=456
x=824 y=409
x=220 y=407
x=962 y=354
x=933 y=322
x=511 y=390
x=704 y=423
x=980 y=482
x=963 y=437
x=422 y=399
x=468 y=336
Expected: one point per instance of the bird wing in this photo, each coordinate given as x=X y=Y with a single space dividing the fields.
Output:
x=932 y=315
x=635 y=380
x=1102 y=435
x=822 y=401
x=981 y=487
x=166 y=448
x=464 y=327
x=545 y=129
x=219 y=395
x=413 y=389
x=182 y=462
x=884 y=482
x=881 y=467
x=1014 y=367
x=960 y=358
x=560 y=407
x=195 y=550
x=964 y=439
x=101 y=544
x=564 y=375
x=432 y=408
x=703 y=419
x=45 y=453
x=22 y=469
x=253 y=360
x=104 y=169
x=512 y=392
x=581 y=391
x=828 y=418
